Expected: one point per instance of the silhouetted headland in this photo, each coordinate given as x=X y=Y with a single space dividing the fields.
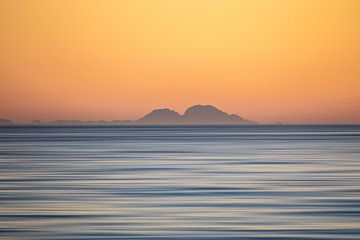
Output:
x=161 y=116
x=197 y=114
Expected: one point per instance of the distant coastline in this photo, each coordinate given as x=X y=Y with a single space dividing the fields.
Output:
x=194 y=115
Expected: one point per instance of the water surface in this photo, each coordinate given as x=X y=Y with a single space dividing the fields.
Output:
x=180 y=182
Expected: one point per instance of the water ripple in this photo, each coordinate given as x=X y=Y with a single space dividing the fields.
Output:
x=180 y=182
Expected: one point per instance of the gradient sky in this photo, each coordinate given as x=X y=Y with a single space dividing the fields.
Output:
x=281 y=60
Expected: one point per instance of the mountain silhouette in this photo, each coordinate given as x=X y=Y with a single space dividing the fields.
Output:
x=161 y=116
x=209 y=114
x=197 y=114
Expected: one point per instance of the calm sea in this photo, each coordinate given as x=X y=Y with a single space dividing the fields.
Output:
x=180 y=182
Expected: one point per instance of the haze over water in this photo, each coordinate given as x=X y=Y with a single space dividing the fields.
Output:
x=180 y=182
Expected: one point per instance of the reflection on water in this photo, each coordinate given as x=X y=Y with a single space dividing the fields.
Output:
x=168 y=182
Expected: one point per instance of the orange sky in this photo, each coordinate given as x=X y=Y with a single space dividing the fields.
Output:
x=281 y=60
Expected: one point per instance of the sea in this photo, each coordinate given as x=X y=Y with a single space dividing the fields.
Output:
x=167 y=182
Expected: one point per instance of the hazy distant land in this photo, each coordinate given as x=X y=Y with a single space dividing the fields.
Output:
x=5 y=121
x=197 y=114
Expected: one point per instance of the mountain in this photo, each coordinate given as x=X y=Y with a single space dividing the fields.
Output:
x=5 y=121
x=209 y=114
x=198 y=114
x=161 y=116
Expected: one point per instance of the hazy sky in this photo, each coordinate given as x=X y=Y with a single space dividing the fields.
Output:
x=280 y=60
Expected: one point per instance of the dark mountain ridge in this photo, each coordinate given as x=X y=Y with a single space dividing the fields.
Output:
x=197 y=114
x=161 y=116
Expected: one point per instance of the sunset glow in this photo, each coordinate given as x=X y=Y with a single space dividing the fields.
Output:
x=269 y=61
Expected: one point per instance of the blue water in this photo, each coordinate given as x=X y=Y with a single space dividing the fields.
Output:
x=180 y=182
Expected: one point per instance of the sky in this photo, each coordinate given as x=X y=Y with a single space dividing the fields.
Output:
x=266 y=60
